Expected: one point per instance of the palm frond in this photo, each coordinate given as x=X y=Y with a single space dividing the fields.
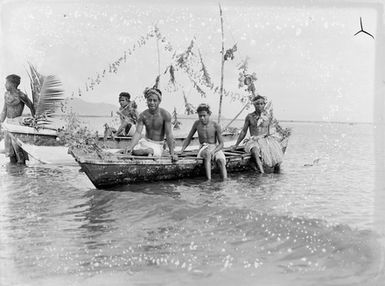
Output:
x=36 y=82
x=51 y=95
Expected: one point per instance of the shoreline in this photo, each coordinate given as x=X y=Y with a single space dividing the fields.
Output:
x=281 y=120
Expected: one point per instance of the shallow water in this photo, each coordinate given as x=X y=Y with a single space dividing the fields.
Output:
x=312 y=224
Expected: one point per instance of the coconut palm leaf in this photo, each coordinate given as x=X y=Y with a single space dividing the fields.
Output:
x=36 y=82
x=51 y=95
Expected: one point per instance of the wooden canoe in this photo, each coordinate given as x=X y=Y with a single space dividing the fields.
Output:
x=107 y=170
x=50 y=137
x=45 y=146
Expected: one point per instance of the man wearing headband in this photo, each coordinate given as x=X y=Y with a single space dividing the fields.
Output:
x=264 y=148
x=157 y=122
x=209 y=133
x=14 y=102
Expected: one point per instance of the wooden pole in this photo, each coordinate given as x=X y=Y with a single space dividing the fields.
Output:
x=157 y=49
x=222 y=66
x=236 y=116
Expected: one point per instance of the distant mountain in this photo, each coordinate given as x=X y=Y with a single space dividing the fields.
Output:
x=86 y=108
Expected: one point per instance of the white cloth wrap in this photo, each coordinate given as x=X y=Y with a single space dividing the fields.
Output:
x=210 y=148
x=156 y=146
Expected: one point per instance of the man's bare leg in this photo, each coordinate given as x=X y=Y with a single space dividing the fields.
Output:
x=222 y=167
x=207 y=162
x=143 y=152
x=255 y=155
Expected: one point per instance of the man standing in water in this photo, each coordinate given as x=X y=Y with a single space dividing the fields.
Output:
x=264 y=148
x=158 y=125
x=14 y=101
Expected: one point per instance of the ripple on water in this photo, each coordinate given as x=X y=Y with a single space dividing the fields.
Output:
x=309 y=225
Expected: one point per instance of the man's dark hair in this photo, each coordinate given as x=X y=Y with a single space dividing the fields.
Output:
x=14 y=78
x=258 y=96
x=204 y=107
x=125 y=94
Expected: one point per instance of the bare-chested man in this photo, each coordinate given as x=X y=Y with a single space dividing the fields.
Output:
x=158 y=125
x=128 y=114
x=14 y=101
x=209 y=133
x=263 y=147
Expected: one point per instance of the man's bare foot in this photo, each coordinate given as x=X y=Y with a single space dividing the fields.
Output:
x=253 y=166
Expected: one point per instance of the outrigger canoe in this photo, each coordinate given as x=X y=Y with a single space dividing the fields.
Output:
x=106 y=170
x=50 y=137
x=45 y=145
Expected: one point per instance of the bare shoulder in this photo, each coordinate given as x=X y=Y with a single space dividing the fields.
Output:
x=216 y=125
x=165 y=114
x=143 y=114
x=21 y=94
x=197 y=124
x=249 y=115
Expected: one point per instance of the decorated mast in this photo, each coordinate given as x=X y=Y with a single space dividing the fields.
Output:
x=222 y=65
x=157 y=49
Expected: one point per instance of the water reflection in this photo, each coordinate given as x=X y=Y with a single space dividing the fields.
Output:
x=299 y=223
x=95 y=213
x=14 y=170
x=163 y=188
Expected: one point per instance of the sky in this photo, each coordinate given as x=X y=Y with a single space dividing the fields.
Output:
x=305 y=56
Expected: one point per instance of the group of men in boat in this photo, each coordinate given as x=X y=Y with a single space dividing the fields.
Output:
x=264 y=148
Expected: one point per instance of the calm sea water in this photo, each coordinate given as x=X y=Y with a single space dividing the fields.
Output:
x=315 y=223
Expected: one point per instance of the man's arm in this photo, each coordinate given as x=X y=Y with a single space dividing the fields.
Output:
x=218 y=132
x=137 y=135
x=28 y=102
x=243 y=132
x=187 y=141
x=122 y=127
x=3 y=114
x=169 y=135
x=135 y=115
x=124 y=122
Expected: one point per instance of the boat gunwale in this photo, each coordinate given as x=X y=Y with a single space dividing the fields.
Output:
x=154 y=161
x=28 y=130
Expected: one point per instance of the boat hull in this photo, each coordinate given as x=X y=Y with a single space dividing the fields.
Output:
x=108 y=170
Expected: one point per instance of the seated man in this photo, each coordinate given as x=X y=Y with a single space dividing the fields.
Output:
x=128 y=114
x=209 y=133
x=264 y=148
x=157 y=122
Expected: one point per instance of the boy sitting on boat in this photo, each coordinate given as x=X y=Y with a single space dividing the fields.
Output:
x=128 y=114
x=158 y=125
x=209 y=133
x=14 y=102
x=263 y=145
